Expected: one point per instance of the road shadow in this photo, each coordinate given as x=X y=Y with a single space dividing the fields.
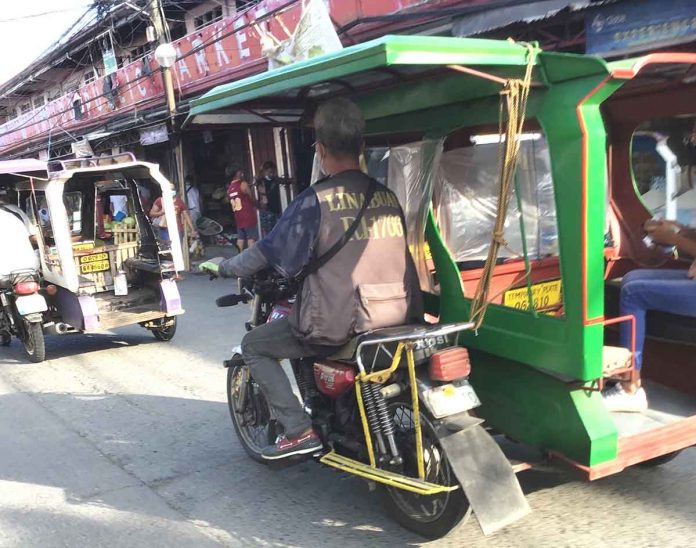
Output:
x=185 y=451
x=65 y=346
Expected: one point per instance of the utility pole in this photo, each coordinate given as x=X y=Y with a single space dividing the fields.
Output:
x=162 y=36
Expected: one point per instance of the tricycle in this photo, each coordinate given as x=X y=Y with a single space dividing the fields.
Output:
x=101 y=265
x=513 y=167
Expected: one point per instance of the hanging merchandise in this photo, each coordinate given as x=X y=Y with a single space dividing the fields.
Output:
x=314 y=35
x=108 y=55
x=110 y=90
x=154 y=134
x=78 y=109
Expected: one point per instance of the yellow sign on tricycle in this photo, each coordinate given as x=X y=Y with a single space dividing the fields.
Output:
x=97 y=262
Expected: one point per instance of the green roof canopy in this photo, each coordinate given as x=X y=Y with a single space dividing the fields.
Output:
x=280 y=96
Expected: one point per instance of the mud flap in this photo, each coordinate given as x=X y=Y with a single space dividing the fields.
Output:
x=484 y=473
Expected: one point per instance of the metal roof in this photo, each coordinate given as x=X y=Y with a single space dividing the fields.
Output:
x=280 y=95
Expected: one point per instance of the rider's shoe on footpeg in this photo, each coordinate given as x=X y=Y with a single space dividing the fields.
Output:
x=306 y=443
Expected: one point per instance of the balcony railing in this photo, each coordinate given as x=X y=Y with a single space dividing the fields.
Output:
x=226 y=50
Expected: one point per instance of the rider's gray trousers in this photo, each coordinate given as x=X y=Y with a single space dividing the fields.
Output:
x=261 y=349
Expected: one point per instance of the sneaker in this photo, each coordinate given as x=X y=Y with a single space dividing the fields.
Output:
x=305 y=443
x=617 y=399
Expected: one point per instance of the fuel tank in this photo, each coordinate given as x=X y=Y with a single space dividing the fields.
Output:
x=280 y=310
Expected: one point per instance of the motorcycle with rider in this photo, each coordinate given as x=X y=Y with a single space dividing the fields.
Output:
x=382 y=396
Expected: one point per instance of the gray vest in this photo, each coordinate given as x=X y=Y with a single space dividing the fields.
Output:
x=369 y=283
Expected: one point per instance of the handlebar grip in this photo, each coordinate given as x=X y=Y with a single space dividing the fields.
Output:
x=230 y=300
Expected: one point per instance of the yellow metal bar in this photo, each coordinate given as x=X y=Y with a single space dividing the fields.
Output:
x=382 y=376
x=416 y=412
x=365 y=425
x=384 y=477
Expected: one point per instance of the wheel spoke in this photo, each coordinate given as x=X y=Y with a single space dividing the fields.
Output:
x=420 y=508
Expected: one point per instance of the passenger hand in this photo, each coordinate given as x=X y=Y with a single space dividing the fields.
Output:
x=692 y=271
x=663 y=232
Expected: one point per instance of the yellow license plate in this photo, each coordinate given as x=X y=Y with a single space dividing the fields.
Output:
x=97 y=262
x=83 y=246
x=546 y=295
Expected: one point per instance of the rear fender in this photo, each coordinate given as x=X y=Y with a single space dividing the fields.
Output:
x=34 y=317
x=484 y=472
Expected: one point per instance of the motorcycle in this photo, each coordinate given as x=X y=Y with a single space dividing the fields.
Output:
x=22 y=312
x=391 y=407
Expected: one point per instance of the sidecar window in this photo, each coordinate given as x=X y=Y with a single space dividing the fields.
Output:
x=73 y=207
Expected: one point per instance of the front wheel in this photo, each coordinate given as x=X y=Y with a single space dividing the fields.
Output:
x=165 y=330
x=251 y=416
x=432 y=516
x=33 y=341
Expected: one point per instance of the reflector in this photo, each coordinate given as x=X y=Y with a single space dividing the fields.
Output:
x=450 y=364
x=26 y=288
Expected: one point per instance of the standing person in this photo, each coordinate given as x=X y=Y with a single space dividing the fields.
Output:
x=145 y=197
x=193 y=197
x=244 y=207
x=268 y=185
x=329 y=310
x=118 y=206
x=182 y=216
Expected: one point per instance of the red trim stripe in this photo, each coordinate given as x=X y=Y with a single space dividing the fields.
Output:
x=583 y=231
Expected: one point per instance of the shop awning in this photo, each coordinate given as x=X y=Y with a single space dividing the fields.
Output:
x=281 y=96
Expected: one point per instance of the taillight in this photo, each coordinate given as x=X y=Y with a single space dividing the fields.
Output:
x=450 y=364
x=26 y=288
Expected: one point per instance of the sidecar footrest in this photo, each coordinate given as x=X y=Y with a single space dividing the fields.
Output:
x=385 y=477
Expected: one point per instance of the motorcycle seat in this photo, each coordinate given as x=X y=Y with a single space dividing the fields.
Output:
x=428 y=338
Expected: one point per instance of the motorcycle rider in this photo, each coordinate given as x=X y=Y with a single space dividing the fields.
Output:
x=369 y=283
x=16 y=251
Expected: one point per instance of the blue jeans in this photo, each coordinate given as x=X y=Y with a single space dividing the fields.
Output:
x=164 y=235
x=652 y=289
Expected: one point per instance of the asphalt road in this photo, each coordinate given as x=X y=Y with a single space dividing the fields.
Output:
x=119 y=440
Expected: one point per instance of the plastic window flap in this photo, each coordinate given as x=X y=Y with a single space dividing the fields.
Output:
x=465 y=194
x=412 y=172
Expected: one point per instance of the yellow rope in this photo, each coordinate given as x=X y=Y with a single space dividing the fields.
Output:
x=513 y=107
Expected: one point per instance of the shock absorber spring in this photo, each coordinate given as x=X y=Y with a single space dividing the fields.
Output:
x=369 y=401
x=386 y=424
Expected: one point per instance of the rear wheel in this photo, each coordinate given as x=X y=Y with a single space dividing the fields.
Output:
x=432 y=516
x=251 y=416
x=33 y=341
x=166 y=329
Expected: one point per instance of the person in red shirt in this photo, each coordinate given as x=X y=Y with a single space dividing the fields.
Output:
x=182 y=216
x=244 y=206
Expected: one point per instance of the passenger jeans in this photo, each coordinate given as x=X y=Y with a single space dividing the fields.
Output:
x=261 y=350
x=652 y=289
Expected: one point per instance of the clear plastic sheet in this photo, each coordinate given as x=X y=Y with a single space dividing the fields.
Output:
x=412 y=173
x=465 y=194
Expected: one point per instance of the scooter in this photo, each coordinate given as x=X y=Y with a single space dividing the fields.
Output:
x=22 y=312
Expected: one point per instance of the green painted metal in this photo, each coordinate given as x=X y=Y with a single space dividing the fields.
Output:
x=542 y=410
x=531 y=373
x=389 y=51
